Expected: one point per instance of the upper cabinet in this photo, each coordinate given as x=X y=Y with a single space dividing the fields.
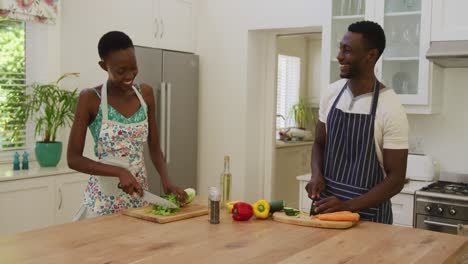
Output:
x=403 y=66
x=449 y=20
x=165 y=24
x=176 y=22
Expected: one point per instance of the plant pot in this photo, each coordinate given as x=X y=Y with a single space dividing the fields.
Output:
x=48 y=153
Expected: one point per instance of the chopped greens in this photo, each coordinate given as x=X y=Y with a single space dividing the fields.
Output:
x=162 y=210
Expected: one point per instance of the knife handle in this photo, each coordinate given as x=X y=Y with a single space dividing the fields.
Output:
x=120 y=187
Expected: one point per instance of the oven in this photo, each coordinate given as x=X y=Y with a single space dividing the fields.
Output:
x=441 y=206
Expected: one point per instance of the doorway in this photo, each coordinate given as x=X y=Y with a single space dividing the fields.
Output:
x=262 y=79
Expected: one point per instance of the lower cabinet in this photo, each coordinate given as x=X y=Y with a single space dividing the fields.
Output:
x=402 y=207
x=27 y=204
x=291 y=161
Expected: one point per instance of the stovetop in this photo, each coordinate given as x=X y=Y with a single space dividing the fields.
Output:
x=444 y=187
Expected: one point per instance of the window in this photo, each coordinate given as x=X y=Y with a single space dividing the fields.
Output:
x=287 y=93
x=12 y=84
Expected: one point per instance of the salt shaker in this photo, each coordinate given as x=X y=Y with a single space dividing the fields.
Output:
x=214 y=198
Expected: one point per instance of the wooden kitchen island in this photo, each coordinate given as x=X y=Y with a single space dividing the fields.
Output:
x=123 y=239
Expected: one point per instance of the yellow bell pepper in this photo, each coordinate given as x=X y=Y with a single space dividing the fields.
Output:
x=230 y=205
x=261 y=209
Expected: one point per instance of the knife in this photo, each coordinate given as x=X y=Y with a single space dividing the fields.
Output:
x=312 y=207
x=154 y=199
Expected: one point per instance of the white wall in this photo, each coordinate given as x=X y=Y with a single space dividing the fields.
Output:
x=444 y=136
x=225 y=111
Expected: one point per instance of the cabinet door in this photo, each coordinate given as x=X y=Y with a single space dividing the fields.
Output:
x=290 y=163
x=402 y=207
x=69 y=195
x=26 y=204
x=136 y=19
x=176 y=25
x=403 y=65
x=449 y=20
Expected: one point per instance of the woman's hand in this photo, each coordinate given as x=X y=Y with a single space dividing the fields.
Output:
x=315 y=186
x=129 y=184
x=181 y=194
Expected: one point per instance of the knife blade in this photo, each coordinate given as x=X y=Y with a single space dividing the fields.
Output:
x=154 y=199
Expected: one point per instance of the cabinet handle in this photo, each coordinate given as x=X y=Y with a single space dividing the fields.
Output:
x=61 y=198
x=157 y=28
x=163 y=28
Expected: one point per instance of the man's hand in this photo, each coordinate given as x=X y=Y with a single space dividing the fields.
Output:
x=315 y=186
x=331 y=204
x=181 y=194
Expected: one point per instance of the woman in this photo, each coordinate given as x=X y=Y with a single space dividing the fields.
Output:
x=121 y=118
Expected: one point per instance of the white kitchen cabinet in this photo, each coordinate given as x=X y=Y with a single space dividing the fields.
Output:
x=403 y=66
x=165 y=24
x=69 y=190
x=449 y=20
x=32 y=203
x=133 y=18
x=26 y=205
x=291 y=161
x=402 y=208
x=176 y=20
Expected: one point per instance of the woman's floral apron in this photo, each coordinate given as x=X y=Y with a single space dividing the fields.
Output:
x=118 y=145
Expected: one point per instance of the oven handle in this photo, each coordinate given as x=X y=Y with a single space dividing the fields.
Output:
x=428 y=222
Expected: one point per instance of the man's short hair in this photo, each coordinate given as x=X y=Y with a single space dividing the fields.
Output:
x=372 y=33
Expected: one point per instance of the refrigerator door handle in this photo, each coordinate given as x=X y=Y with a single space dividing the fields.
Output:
x=168 y=137
x=162 y=112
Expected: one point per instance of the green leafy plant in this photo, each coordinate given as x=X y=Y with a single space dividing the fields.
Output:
x=302 y=113
x=50 y=106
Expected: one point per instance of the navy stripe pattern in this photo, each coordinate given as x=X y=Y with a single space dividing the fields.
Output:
x=351 y=164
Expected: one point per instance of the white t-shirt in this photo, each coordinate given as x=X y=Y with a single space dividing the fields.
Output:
x=391 y=124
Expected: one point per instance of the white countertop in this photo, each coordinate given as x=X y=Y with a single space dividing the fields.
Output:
x=408 y=188
x=412 y=186
x=8 y=174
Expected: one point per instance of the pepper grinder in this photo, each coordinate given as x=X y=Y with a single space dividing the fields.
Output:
x=25 y=161
x=16 y=162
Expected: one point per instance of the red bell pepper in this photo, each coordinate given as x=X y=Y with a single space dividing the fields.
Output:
x=242 y=211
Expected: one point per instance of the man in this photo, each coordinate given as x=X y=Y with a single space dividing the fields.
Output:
x=361 y=144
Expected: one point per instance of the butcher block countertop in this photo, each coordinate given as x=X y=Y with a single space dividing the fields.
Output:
x=123 y=239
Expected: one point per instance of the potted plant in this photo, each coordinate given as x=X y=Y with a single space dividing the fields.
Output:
x=51 y=108
x=301 y=113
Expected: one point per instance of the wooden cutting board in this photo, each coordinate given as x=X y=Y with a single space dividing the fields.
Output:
x=188 y=211
x=304 y=219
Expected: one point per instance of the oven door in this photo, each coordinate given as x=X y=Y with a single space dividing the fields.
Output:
x=439 y=224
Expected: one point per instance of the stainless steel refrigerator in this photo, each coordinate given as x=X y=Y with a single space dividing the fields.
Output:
x=174 y=78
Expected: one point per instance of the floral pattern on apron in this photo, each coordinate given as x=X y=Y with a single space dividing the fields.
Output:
x=119 y=145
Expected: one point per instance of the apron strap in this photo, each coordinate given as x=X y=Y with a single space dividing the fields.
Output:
x=105 y=116
x=140 y=97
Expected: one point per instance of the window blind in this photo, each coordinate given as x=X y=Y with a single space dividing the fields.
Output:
x=288 y=83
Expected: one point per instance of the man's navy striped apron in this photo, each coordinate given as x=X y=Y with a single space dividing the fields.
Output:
x=351 y=164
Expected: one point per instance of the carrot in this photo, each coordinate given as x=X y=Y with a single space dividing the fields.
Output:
x=339 y=217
